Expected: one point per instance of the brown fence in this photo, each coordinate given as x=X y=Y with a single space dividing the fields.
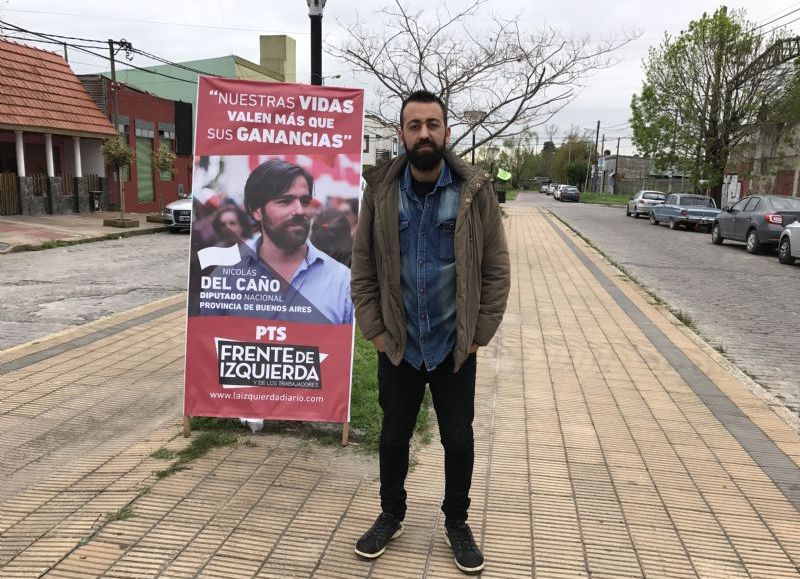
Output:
x=39 y=183
x=93 y=182
x=9 y=199
x=67 y=185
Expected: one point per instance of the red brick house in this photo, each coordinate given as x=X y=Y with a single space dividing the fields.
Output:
x=50 y=135
x=146 y=121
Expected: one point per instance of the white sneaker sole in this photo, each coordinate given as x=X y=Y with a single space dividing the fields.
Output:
x=459 y=565
x=397 y=533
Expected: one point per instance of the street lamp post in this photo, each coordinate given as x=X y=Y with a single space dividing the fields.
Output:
x=315 y=8
x=324 y=78
x=473 y=118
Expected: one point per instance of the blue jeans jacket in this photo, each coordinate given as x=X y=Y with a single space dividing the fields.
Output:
x=427 y=267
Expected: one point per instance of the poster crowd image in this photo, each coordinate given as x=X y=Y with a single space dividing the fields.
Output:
x=275 y=195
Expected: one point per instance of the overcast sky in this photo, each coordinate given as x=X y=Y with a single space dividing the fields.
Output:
x=188 y=30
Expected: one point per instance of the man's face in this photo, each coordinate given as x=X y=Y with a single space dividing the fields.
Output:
x=285 y=219
x=424 y=134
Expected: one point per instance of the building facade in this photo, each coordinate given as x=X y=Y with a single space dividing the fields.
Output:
x=51 y=132
x=769 y=164
x=145 y=122
x=626 y=175
x=380 y=142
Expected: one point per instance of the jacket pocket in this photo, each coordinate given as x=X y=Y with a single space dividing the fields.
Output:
x=405 y=236
x=447 y=229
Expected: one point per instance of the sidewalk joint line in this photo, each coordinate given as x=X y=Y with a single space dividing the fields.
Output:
x=41 y=355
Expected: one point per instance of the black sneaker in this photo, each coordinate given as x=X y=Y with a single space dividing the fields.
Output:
x=373 y=543
x=467 y=554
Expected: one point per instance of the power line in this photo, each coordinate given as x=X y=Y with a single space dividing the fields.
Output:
x=776 y=19
x=57 y=42
x=104 y=57
x=141 y=20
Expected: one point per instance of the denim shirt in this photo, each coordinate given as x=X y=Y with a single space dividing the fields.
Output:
x=428 y=269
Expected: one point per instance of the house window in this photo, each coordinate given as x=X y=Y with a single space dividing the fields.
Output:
x=166 y=136
x=124 y=128
x=366 y=144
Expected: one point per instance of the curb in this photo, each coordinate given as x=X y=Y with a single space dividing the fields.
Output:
x=63 y=243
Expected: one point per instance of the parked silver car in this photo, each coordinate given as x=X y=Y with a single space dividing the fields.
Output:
x=758 y=220
x=789 y=243
x=178 y=214
x=641 y=203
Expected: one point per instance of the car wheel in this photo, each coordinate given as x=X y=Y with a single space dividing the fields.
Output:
x=653 y=219
x=716 y=236
x=753 y=244
x=635 y=213
x=627 y=211
x=785 y=252
x=673 y=224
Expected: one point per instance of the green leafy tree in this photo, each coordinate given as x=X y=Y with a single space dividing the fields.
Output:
x=704 y=92
x=576 y=173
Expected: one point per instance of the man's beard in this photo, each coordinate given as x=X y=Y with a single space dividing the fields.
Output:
x=283 y=237
x=425 y=160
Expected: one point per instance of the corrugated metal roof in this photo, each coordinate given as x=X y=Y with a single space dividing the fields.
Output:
x=39 y=90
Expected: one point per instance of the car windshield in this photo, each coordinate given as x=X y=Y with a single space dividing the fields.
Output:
x=698 y=202
x=653 y=196
x=785 y=204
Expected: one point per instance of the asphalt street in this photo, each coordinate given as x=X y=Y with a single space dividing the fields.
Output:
x=43 y=292
x=745 y=305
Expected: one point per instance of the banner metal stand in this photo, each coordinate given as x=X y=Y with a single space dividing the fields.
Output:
x=345 y=433
x=187 y=426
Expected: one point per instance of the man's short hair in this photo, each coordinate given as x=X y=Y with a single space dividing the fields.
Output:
x=270 y=180
x=423 y=96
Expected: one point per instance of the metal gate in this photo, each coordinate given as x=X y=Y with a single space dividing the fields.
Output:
x=9 y=198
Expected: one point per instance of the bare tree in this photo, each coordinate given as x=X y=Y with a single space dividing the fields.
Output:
x=516 y=80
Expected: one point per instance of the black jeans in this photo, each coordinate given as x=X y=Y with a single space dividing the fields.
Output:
x=400 y=392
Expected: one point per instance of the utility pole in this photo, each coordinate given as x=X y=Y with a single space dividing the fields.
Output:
x=602 y=154
x=589 y=163
x=616 y=170
x=114 y=120
x=66 y=56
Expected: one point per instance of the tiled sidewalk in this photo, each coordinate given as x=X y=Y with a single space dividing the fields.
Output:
x=595 y=457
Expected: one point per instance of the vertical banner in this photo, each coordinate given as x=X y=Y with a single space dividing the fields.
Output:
x=275 y=198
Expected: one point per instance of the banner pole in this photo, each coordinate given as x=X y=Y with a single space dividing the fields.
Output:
x=345 y=433
x=187 y=426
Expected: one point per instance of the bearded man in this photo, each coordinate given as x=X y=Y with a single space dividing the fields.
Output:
x=430 y=281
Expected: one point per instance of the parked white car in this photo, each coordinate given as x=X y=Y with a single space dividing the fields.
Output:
x=789 y=243
x=641 y=203
x=178 y=214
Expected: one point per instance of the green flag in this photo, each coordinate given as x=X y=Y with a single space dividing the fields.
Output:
x=502 y=174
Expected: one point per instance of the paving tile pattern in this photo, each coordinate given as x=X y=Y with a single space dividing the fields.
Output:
x=743 y=303
x=594 y=458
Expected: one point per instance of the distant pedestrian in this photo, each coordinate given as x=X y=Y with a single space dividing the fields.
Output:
x=430 y=281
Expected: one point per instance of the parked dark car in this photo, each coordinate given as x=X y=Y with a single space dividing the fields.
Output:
x=758 y=220
x=569 y=193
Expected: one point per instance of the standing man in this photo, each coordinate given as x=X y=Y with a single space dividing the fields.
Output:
x=430 y=281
